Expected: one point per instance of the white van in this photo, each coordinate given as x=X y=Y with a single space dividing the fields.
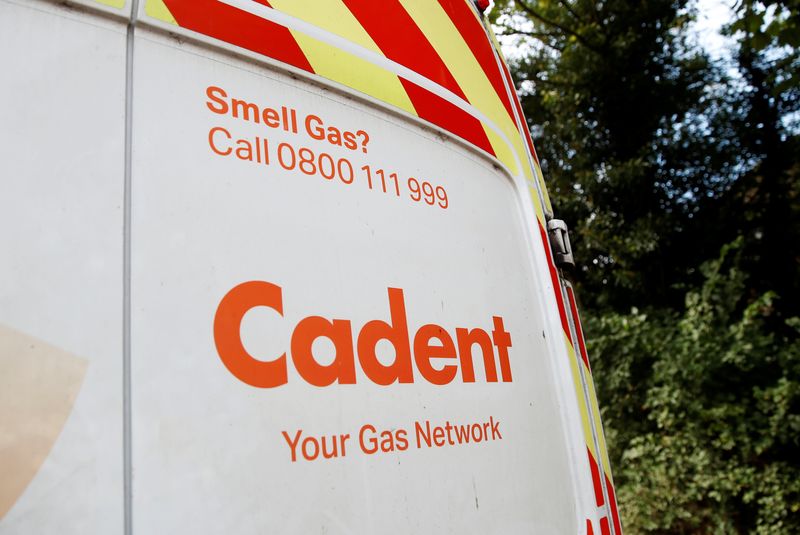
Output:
x=282 y=266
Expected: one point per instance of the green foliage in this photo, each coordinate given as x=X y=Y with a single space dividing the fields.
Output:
x=768 y=196
x=680 y=178
x=703 y=410
x=773 y=27
x=618 y=102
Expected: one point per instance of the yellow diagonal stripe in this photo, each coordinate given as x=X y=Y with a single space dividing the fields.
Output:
x=112 y=3
x=337 y=65
x=523 y=129
x=582 y=405
x=598 y=426
x=543 y=187
x=445 y=38
x=159 y=10
x=537 y=206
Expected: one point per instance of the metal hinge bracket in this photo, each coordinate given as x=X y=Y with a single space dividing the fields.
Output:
x=559 y=242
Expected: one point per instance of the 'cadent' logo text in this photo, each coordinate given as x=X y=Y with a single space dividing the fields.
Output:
x=431 y=341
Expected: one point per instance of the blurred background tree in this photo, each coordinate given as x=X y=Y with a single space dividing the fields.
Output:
x=679 y=174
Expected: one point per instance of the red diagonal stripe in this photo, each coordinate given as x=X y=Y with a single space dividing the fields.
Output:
x=596 y=482
x=401 y=40
x=240 y=28
x=525 y=132
x=578 y=330
x=604 y=530
x=556 y=283
x=447 y=116
x=474 y=34
x=612 y=501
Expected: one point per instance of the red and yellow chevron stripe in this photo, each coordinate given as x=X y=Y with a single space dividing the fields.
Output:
x=599 y=480
x=591 y=425
x=429 y=58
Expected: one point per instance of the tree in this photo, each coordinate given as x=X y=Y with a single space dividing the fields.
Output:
x=618 y=102
x=680 y=178
x=703 y=409
x=768 y=196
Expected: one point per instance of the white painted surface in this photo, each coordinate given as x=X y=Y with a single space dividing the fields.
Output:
x=208 y=455
x=208 y=452
x=61 y=182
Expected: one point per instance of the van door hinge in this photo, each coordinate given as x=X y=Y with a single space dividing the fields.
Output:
x=559 y=243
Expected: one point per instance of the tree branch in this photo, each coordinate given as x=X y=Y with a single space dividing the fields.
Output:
x=544 y=20
x=537 y=35
x=547 y=39
x=572 y=12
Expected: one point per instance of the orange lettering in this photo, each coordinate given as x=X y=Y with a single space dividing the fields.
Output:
x=221 y=105
x=502 y=340
x=466 y=339
x=424 y=352
x=227 y=326
x=397 y=334
x=342 y=369
x=213 y=145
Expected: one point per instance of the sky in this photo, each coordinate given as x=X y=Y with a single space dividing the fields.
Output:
x=711 y=16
